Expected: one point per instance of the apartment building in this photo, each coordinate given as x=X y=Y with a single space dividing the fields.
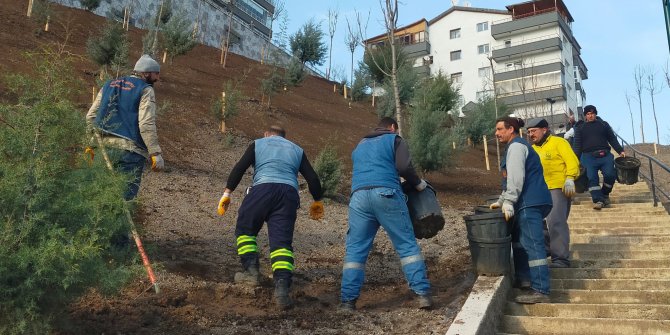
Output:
x=527 y=53
x=414 y=42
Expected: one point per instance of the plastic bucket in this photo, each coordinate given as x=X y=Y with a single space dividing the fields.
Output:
x=627 y=170
x=489 y=199
x=487 y=226
x=425 y=212
x=485 y=209
x=582 y=182
x=491 y=257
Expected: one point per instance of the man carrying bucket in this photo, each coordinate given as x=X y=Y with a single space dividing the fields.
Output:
x=525 y=201
x=560 y=167
x=592 y=144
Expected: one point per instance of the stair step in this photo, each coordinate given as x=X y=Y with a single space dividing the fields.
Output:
x=587 y=207
x=624 y=252
x=633 y=222
x=621 y=263
x=579 y=326
x=623 y=311
x=610 y=296
x=610 y=284
x=611 y=273
x=589 y=212
x=614 y=246
x=628 y=239
x=618 y=231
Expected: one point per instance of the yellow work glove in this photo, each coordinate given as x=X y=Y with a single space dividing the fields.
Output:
x=508 y=210
x=224 y=203
x=316 y=210
x=157 y=163
x=91 y=153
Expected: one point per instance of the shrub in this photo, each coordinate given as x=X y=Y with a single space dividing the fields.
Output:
x=110 y=48
x=295 y=73
x=481 y=120
x=57 y=213
x=178 y=38
x=329 y=168
x=307 y=45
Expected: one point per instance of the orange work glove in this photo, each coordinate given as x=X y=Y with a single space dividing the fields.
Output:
x=316 y=210
x=224 y=203
x=91 y=153
x=157 y=163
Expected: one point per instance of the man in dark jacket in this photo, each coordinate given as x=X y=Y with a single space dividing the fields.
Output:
x=594 y=139
x=273 y=197
x=377 y=199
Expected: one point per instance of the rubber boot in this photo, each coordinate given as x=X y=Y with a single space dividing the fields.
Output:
x=282 y=298
x=250 y=276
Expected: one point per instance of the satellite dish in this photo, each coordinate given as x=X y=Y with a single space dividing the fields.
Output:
x=466 y=4
x=454 y=2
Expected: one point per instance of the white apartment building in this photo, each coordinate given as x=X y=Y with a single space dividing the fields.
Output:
x=536 y=69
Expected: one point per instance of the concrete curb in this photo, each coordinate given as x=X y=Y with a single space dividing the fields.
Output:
x=482 y=311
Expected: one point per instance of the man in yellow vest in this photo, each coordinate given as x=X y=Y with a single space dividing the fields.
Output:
x=561 y=168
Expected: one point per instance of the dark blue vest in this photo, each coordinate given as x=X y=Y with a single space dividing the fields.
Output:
x=119 y=109
x=277 y=161
x=374 y=163
x=535 y=191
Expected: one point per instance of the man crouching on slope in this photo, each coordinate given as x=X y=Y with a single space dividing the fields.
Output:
x=272 y=198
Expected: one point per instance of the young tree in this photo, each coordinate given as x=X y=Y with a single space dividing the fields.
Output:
x=431 y=131
x=630 y=111
x=653 y=89
x=58 y=214
x=328 y=166
x=351 y=40
x=390 y=10
x=361 y=83
x=638 y=75
x=406 y=83
x=281 y=39
x=481 y=119
x=178 y=37
x=307 y=46
x=270 y=85
x=110 y=48
x=332 y=27
x=294 y=74
x=90 y=5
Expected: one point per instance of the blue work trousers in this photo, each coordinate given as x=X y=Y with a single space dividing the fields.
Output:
x=368 y=210
x=594 y=164
x=131 y=164
x=274 y=203
x=530 y=256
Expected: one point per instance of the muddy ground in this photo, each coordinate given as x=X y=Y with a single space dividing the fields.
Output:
x=193 y=250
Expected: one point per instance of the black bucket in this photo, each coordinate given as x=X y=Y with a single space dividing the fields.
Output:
x=425 y=212
x=485 y=209
x=489 y=199
x=627 y=170
x=491 y=257
x=582 y=182
x=487 y=226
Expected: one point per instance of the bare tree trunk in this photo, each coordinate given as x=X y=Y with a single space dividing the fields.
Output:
x=391 y=19
x=332 y=26
x=638 y=73
x=653 y=89
x=230 y=27
x=630 y=111
x=495 y=107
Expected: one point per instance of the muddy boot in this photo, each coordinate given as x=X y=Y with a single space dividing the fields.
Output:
x=250 y=276
x=282 y=298
x=424 y=301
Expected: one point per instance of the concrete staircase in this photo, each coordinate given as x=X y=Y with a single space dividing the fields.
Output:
x=619 y=282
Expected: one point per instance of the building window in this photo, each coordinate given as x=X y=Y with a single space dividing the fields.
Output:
x=508 y=43
x=455 y=55
x=482 y=26
x=484 y=94
x=419 y=37
x=457 y=77
x=406 y=39
x=483 y=49
x=455 y=33
x=484 y=72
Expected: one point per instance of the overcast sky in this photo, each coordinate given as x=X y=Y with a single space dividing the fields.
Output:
x=615 y=36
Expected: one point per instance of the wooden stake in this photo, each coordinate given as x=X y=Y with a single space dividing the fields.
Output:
x=46 y=26
x=345 y=91
x=30 y=8
x=469 y=142
x=93 y=92
x=230 y=27
x=374 y=84
x=164 y=56
x=453 y=145
x=125 y=14
x=334 y=88
x=486 y=154
x=655 y=149
x=223 y=112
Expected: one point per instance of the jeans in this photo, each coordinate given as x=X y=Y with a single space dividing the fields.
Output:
x=368 y=210
x=595 y=164
x=131 y=164
x=530 y=261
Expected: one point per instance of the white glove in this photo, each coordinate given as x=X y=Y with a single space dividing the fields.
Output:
x=421 y=186
x=496 y=204
x=508 y=210
x=157 y=163
x=569 y=188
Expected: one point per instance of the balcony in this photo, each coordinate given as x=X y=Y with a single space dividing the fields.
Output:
x=542 y=44
x=416 y=50
x=508 y=27
x=530 y=70
x=583 y=71
x=533 y=95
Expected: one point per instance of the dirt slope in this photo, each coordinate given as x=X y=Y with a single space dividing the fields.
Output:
x=193 y=249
